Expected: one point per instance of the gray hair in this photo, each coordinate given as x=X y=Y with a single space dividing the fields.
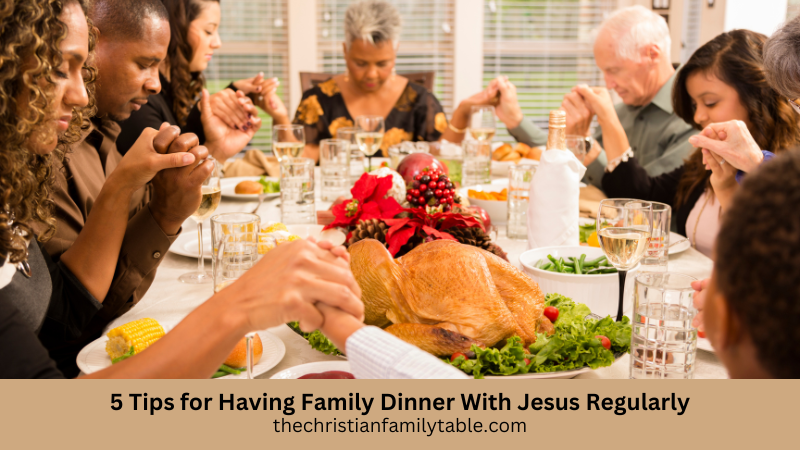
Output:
x=635 y=27
x=782 y=60
x=373 y=22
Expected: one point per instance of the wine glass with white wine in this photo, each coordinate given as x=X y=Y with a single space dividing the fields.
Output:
x=483 y=123
x=369 y=135
x=288 y=140
x=208 y=204
x=624 y=228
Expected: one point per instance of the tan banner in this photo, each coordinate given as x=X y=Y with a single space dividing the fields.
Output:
x=395 y=414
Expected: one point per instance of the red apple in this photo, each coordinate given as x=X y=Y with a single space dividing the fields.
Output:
x=413 y=164
x=487 y=222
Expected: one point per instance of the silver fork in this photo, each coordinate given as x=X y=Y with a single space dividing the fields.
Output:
x=260 y=201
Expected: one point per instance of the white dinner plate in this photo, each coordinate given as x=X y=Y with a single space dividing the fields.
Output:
x=93 y=357
x=704 y=344
x=296 y=372
x=186 y=245
x=228 y=186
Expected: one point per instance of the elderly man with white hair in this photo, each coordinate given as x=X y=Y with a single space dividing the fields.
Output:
x=632 y=50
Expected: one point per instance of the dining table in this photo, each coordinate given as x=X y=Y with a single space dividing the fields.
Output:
x=168 y=300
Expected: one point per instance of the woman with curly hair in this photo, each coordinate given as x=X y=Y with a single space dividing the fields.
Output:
x=194 y=35
x=43 y=98
x=724 y=80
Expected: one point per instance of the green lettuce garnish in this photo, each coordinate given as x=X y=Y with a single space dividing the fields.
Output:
x=316 y=340
x=270 y=187
x=572 y=346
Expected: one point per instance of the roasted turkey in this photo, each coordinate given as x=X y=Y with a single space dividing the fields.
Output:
x=444 y=296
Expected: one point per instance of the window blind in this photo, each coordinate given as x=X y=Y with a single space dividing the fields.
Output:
x=254 y=39
x=544 y=47
x=426 y=40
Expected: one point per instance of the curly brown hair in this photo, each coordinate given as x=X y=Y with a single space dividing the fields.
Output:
x=185 y=85
x=758 y=262
x=29 y=53
x=735 y=58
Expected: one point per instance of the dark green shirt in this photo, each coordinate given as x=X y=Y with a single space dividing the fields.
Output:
x=658 y=137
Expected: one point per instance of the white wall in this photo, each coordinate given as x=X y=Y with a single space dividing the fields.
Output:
x=763 y=16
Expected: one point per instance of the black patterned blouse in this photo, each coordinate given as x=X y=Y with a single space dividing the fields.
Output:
x=417 y=115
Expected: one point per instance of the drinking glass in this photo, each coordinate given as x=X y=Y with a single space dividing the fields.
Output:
x=297 y=191
x=369 y=135
x=624 y=228
x=288 y=141
x=335 y=168
x=208 y=204
x=398 y=152
x=663 y=341
x=520 y=177
x=656 y=257
x=356 y=157
x=577 y=145
x=235 y=242
x=477 y=165
x=483 y=123
x=452 y=156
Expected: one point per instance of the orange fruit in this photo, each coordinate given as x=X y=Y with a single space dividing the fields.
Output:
x=592 y=240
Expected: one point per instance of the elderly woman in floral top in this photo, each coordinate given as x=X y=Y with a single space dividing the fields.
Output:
x=370 y=86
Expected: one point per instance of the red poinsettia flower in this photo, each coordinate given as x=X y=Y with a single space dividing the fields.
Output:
x=429 y=225
x=369 y=202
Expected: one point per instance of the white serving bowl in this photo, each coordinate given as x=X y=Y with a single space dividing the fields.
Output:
x=599 y=292
x=497 y=210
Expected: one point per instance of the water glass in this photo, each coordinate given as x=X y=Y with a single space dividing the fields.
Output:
x=577 y=145
x=520 y=177
x=297 y=191
x=656 y=257
x=663 y=341
x=398 y=152
x=238 y=233
x=335 y=168
x=477 y=166
x=356 y=157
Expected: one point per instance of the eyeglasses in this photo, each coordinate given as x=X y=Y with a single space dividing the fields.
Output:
x=795 y=105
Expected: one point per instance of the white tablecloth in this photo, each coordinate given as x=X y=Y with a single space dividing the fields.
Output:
x=169 y=300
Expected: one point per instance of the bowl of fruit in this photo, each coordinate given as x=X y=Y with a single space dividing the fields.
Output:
x=491 y=197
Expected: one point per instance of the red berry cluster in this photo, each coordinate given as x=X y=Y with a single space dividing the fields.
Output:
x=432 y=188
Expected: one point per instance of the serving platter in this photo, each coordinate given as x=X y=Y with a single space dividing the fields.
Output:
x=93 y=357
x=228 y=188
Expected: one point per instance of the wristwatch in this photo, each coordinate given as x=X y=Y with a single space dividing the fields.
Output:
x=589 y=142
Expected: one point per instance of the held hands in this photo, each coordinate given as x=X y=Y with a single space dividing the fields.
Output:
x=264 y=94
x=292 y=281
x=579 y=116
x=598 y=101
x=222 y=140
x=147 y=156
x=732 y=142
x=508 y=110
x=177 y=192
x=232 y=108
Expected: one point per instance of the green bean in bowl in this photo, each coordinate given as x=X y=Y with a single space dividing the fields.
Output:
x=575 y=265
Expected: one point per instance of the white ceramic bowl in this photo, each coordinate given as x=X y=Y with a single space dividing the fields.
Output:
x=599 y=292
x=497 y=210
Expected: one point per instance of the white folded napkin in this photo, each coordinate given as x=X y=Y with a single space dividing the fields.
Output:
x=553 y=205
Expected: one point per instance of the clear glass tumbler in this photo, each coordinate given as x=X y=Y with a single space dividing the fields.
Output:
x=356 y=157
x=398 y=152
x=477 y=166
x=520 y=177
x=335 y=168
x=297 y=191
x=656 y=257
x=663 y=342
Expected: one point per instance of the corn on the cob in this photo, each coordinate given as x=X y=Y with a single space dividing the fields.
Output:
x=138 y=334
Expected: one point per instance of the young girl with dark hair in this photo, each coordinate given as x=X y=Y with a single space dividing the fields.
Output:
x=724 y=80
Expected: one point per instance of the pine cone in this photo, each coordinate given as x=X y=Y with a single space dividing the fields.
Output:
x=370 y=229
x=477 y=238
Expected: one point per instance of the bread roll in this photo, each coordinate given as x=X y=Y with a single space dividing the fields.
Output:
x=512 y=156
x=522 y=149
x=249 y=187
x=534 y=153
x=501 y=152
x=238 y=357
